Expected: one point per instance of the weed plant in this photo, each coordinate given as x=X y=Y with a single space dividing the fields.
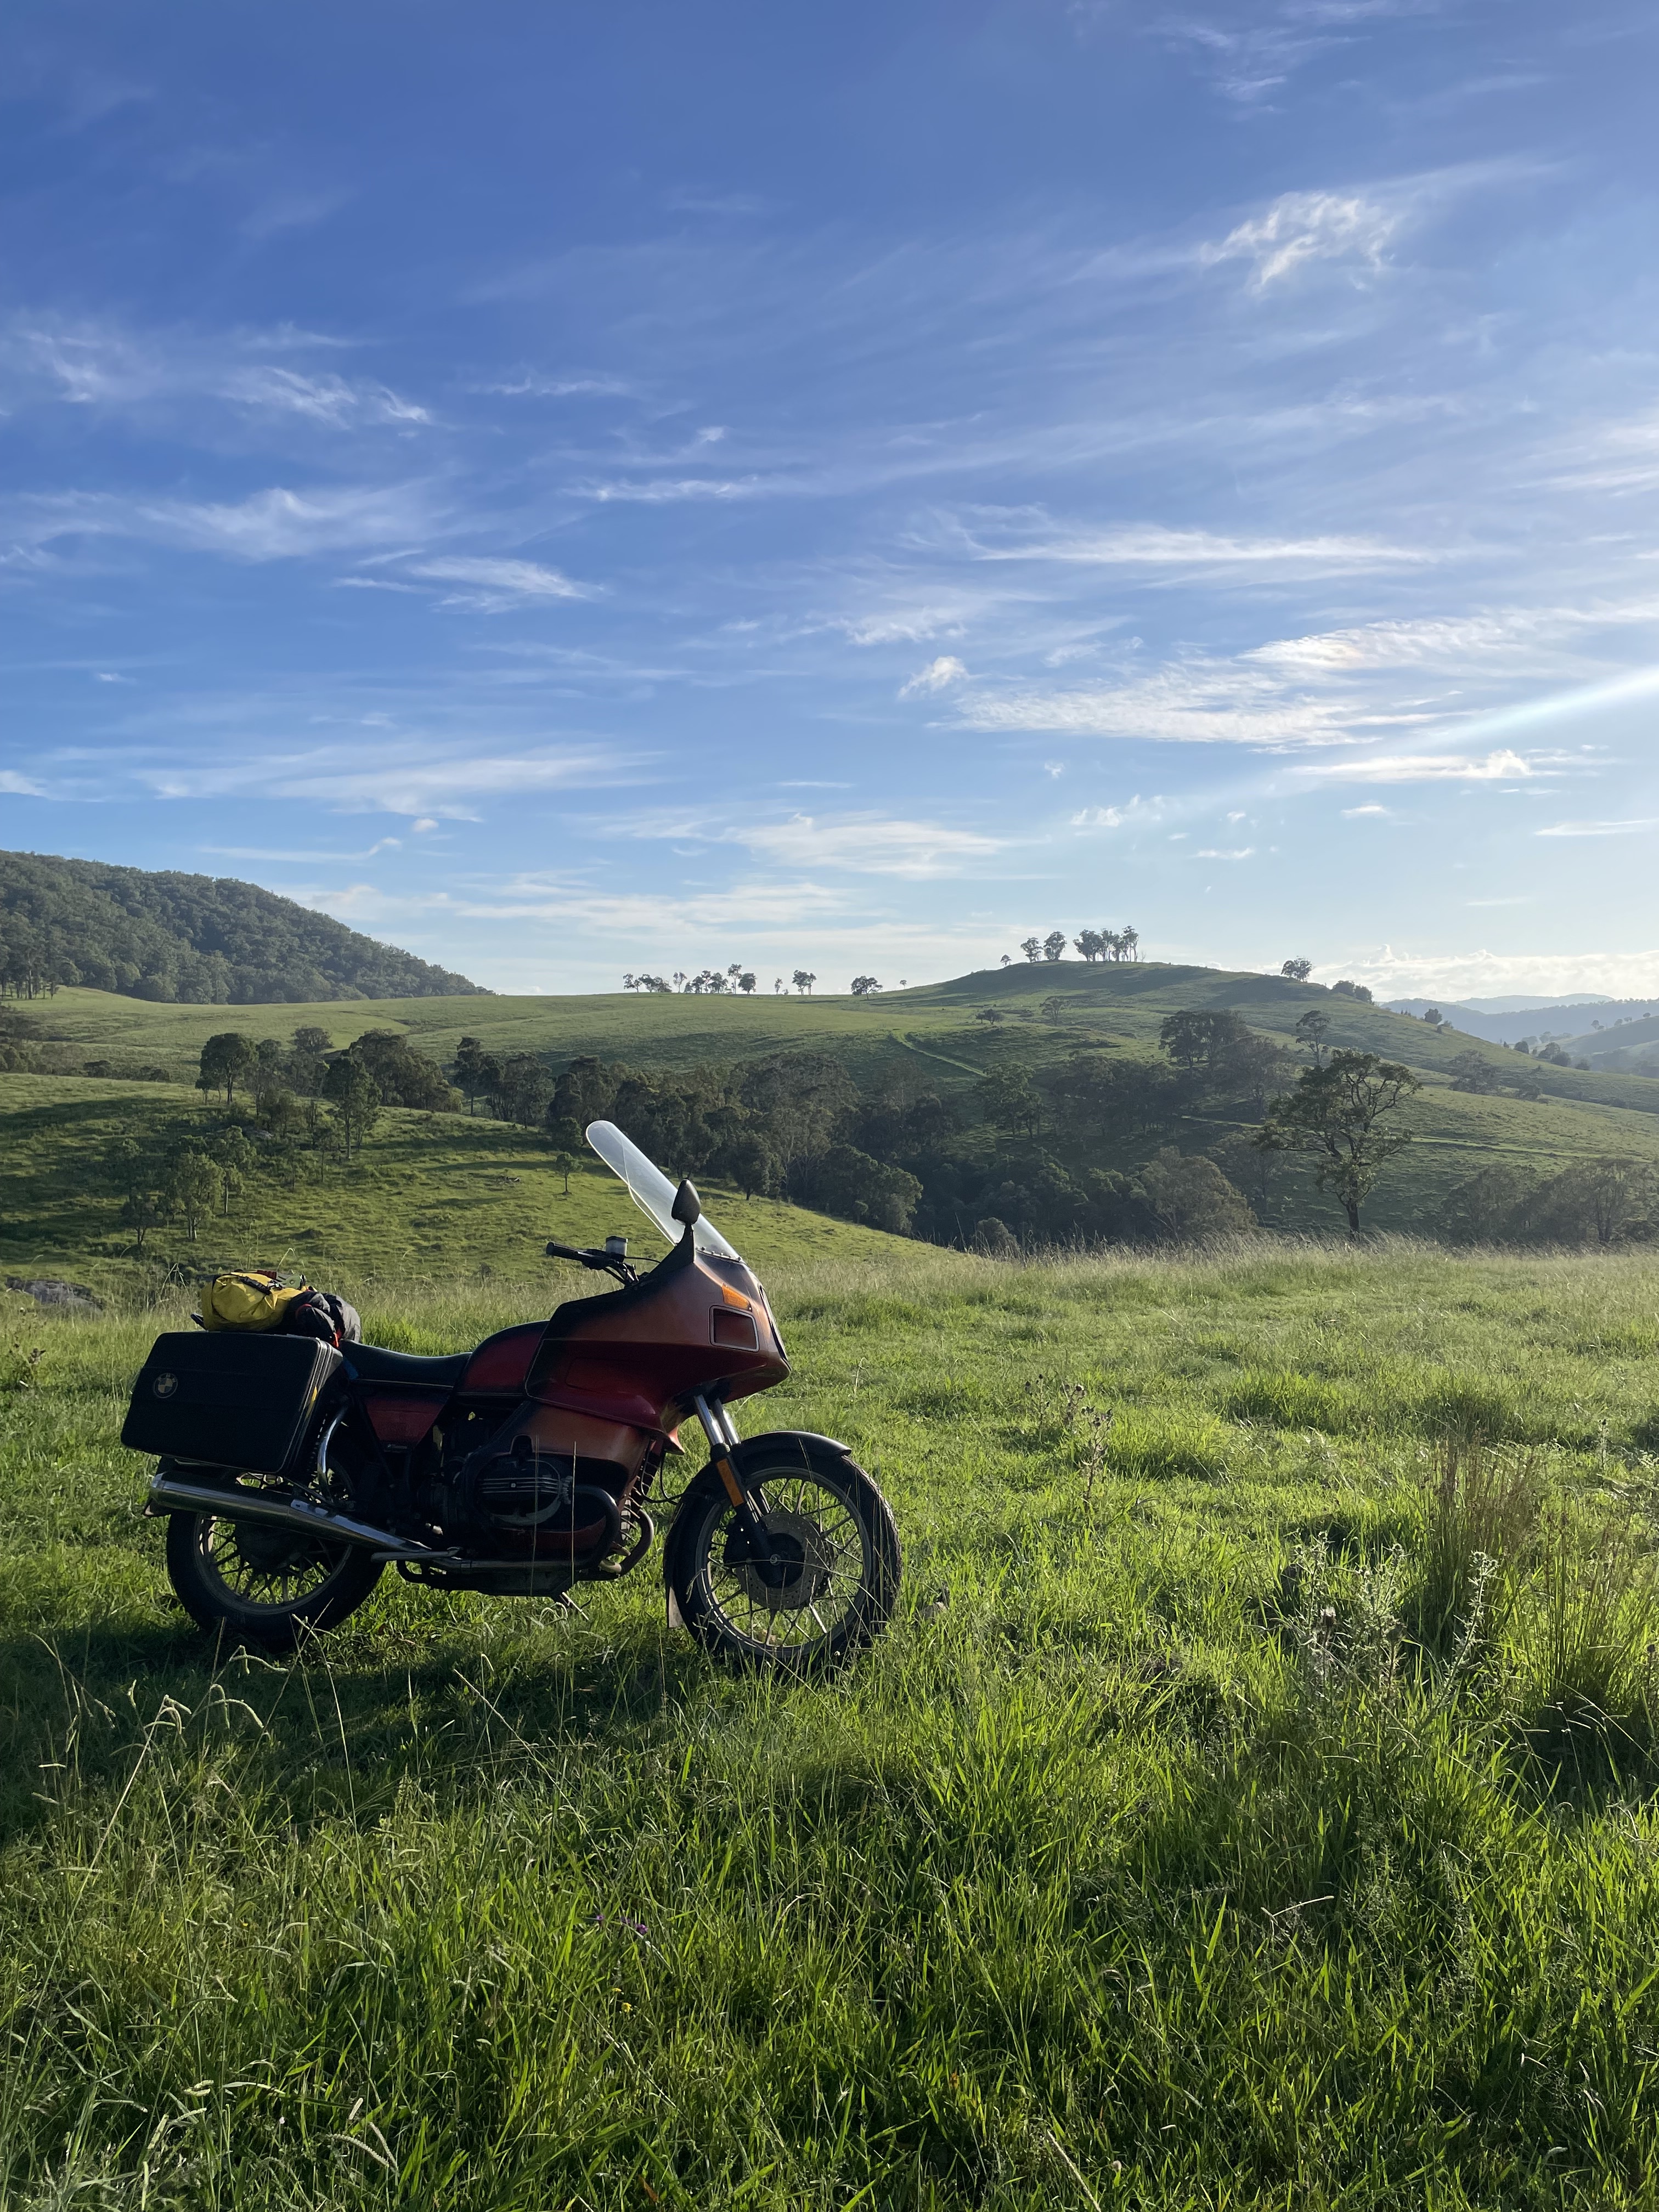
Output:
x=1241 y=1811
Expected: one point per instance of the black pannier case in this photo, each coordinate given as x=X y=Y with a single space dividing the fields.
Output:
x=233 y=1401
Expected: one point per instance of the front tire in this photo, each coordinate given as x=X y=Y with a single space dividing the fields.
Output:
x=828 y=1583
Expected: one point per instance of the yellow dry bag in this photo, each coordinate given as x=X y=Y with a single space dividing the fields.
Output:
x=256 y=1300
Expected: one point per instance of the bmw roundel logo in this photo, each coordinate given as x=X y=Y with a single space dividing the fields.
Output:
x=164 y=1385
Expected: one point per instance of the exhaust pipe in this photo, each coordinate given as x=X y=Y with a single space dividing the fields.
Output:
x=167 y=1494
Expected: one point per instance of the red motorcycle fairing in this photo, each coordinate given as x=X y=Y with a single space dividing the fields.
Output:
x=697 y=1324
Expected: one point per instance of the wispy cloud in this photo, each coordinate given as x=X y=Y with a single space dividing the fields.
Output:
x=1033 y=537
x=408 y=779
x=1626 y=828
x=1499 y=767
x=268 y=525
x=109 y=366
x=496 y=583
x=1303 y=227
x=869 y=844
x=938 y=675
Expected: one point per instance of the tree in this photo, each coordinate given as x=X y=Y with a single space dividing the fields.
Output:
x=307 y=1067
x=804 y=981
x=746 y=982
x=471 y=1070
x=1338 y=1114
x=1054 y=1008
x=865 y=986
x=134 y=1176
x=1432 y=1016
x=141 y=1212
x=1473 y=1072
x=1090 y=944
x=1032 y=949
x=1054 y=944
x=752 y=1165
x=1297 y=972
x=235 y=1159
x=227 y=1059
x=994 y=1015
x=1009 y=1101
x=403 y=1075
x=1310 y=1031
x=1345 y=989
x=192 y=1188
x=354 y=1096
x=523 y=1089
x=1189 y=1198
x=565 y=1164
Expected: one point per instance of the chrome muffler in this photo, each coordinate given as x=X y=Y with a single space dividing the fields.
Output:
x=169 y=1494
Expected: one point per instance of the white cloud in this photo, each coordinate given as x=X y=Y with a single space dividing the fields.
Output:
x=20 y=787
x=1115 y=817
x=938 y=675
x=501 y=583
x=664 y=491
x=531 y=387
x=1596 y=828
x=1303 y=227
x=1358 y=813
x=1214 y=852
x=1500 y=767
x=1192 y=702
x=105 y=365
x=1485 y=974
x=1153 y=545
x=451 y=786
x=268 y=525
x=867 y=844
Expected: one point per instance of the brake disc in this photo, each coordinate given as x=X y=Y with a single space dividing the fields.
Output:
x=799 y=1570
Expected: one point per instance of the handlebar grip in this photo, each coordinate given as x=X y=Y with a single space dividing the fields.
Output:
x=564 y=1252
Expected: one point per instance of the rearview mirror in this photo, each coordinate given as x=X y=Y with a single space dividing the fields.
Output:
x=687 y=1208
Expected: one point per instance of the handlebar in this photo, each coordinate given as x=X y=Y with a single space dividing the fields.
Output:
x=602 y=1262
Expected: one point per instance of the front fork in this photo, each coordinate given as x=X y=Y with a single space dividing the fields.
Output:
x=749 y=1506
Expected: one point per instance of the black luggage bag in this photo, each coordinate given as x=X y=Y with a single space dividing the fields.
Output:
x=243 y=1401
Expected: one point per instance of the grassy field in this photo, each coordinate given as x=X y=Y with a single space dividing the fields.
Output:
x=1263 y=1817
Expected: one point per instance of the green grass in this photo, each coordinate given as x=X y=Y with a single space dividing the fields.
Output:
x=1234 y=1837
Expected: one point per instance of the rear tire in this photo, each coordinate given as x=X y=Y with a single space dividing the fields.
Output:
x=249 y=1583
x=260 y=1586
x=829 y=1583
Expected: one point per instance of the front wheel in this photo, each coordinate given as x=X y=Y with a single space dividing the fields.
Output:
x=822 y=1584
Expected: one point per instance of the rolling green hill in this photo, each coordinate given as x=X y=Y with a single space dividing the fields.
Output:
x=207 y=939
x=435 y=1197
x=941 y=1040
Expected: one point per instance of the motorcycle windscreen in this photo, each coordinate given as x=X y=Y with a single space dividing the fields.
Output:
x=650 y=1188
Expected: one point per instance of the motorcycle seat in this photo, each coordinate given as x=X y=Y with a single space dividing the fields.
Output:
x=370 y=1362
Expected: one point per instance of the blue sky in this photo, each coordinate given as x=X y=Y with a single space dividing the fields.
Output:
x=573 y=490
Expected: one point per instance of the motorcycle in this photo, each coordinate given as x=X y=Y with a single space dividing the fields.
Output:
x=292 y=1473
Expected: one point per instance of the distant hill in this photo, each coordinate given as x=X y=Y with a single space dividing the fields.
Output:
x=1532 y=1018
x=197 y=940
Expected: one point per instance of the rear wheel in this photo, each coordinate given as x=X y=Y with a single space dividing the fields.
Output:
x=821 y=1585
x=266 y=1586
